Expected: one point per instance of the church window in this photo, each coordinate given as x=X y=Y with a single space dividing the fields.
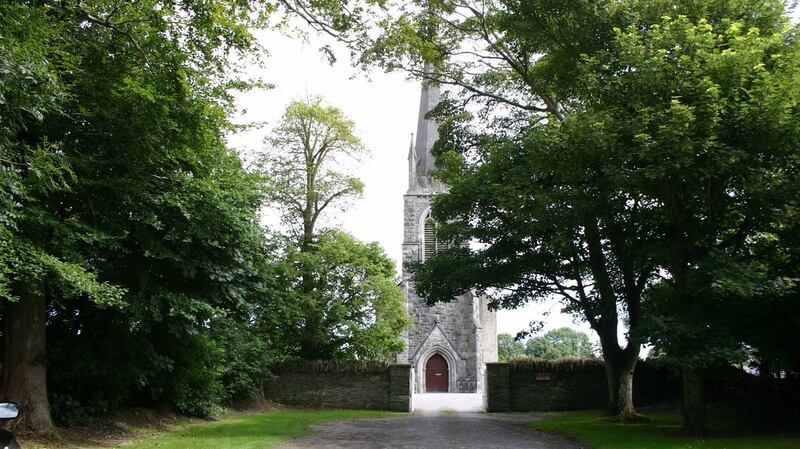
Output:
x=432 y=244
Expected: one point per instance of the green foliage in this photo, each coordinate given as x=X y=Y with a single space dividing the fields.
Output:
x=635 y=156
x=331 y=366
x=34 y=166
x=558 y=344
x=356 y=310
x=29 y=88
x=195 y=388
x=122 y=205
x=561 y=365
x=726 y=85
x=246 y=356
x=508 y=347
x=306 y=163
x=658 y=132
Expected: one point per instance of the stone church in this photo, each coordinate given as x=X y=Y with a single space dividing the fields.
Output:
x=448 y=344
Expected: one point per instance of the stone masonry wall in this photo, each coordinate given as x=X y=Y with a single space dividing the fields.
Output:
x=580 y=389
x=497 y=390
x=565 y=385
x=342 y=385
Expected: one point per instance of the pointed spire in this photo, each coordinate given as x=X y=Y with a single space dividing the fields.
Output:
x=427 y=130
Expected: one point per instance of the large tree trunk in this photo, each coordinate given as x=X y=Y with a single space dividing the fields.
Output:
x=625 y=408
x=24 y=362
x=619 y=372
x=619 y=366
x=612 y=377
x=694 y=406
x=620 y=363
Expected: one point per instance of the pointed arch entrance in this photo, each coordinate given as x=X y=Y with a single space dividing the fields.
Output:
x=437 y=374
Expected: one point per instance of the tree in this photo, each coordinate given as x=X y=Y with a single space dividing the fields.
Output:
x=721 y=191
x=618 y=151
x=558 y=344
x=766 y=300
x=551 y=224
x=308 y=152
x=350 y=304
x=134 y=218
x=32 y=168
x=508 y=347
x=362 y=311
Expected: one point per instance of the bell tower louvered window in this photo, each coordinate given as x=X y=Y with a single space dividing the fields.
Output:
x=432 y=244
x=430 y=238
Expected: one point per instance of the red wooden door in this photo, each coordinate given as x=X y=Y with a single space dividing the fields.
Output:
x=437 y=376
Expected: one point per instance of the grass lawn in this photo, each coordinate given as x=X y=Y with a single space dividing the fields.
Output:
x=662 y=432
x=250 y=432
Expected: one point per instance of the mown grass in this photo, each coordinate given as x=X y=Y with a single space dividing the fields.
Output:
x=662 y=432
x=250 y=432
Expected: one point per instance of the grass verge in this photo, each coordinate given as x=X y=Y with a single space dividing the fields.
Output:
x=250 y=432
x=662 y=432
x=154 y=429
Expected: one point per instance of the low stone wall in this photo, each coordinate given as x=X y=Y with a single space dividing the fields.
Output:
x=543 y=385
x=372 y=386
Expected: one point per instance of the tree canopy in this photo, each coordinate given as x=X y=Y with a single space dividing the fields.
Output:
x=559 y=343
x=509 y=347
x=307 y=165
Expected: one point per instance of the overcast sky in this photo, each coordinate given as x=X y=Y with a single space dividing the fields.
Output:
x=384 y=109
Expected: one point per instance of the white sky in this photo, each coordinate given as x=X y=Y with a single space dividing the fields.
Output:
x=384 y=109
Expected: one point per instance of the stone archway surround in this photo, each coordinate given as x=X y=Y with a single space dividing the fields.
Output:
x=452 y=365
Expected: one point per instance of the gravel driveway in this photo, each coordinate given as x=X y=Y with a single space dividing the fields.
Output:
x=432 y=430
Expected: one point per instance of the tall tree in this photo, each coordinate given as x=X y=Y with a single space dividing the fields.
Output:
x=351 y=306
x=550 y=223
x=306 y=162
x=359 y=311
x=730 y=175
x=106 y=201
x=31 y=168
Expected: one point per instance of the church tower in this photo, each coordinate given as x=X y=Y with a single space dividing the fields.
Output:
x=449 y=343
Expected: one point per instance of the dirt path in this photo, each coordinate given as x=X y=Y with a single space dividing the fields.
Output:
x=432 y=430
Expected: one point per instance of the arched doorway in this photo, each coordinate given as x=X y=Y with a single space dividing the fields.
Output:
x=437 y=375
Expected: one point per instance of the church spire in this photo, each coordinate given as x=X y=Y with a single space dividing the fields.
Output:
x=427 y=130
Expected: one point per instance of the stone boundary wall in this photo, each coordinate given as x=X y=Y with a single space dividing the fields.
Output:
x=544 y=385
x=356 y=385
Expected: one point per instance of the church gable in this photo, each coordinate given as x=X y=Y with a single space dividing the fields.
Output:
x=436 y=341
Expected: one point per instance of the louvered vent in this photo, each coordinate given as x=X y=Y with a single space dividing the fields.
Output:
x=430 y=238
